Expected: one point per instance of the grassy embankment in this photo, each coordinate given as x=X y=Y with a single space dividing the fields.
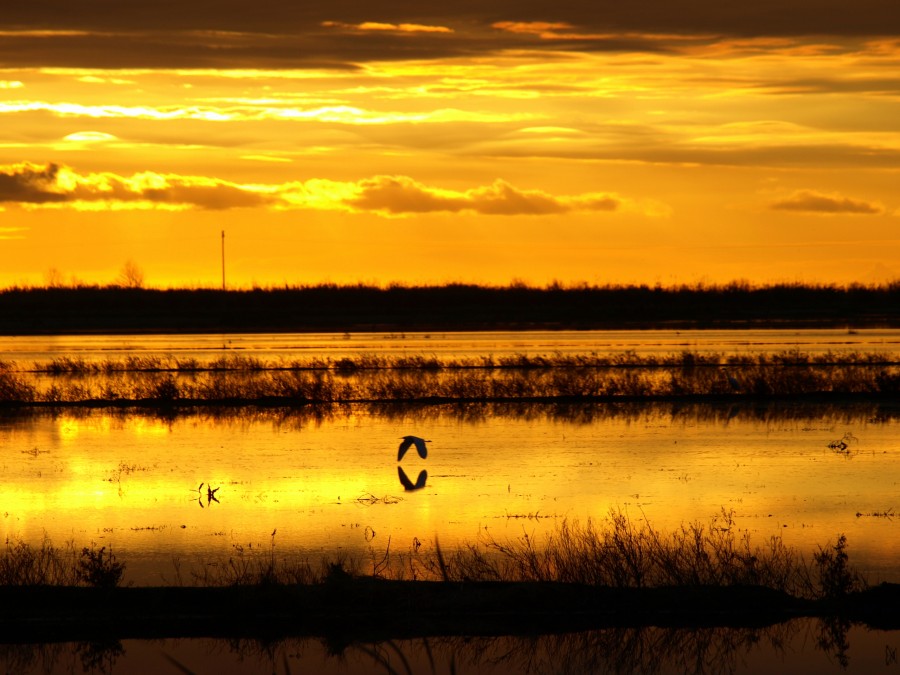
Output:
x=169 y=381
x=619 y=572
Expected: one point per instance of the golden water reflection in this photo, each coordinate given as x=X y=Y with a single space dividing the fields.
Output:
x=460 y=344
x=318 y=482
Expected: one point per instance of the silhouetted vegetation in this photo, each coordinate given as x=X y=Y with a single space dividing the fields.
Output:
x=617 y=552
x=332 y=308
x=613 y=594
x=620 y=552
x=68 y=365
x=619 y=573
x=629 y=376
x=22 y=564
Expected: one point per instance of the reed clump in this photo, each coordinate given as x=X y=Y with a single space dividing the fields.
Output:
x=15 y=388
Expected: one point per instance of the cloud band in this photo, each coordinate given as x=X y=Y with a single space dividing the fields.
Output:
x=59 y=186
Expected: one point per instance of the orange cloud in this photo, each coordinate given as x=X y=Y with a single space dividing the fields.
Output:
x=561 y=31
x=54 y=185
x=389 y=27
x=810 y=201
x=541 y=28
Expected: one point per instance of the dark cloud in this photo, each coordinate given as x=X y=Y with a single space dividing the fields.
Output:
x=860 y=84
x=776 y=156
x=216 y=197
x=402 y=195
x=277 y=17
x=398 y=194
x=501 y=198
x=810 y=201
x=387 y=195
x=30 y=185
x=278 y=34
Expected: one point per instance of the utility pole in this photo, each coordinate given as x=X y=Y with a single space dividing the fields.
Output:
x=223 y=260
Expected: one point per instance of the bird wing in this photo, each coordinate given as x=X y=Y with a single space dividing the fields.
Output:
x=420 y=481
x=404 y=446
x=404 y=479
x=421 y=447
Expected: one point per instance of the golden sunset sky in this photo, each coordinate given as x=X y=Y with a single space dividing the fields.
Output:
x=662 y=141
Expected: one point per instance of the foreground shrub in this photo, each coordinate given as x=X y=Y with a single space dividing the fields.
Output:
x=832 y=572
x=98 y=568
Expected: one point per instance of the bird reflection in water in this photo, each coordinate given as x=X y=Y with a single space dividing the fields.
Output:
x=210 y=495
x=407 y=484
x=422 y=449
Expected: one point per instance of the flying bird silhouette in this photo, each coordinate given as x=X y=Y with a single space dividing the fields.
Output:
x=407 y=483
x=413 y=440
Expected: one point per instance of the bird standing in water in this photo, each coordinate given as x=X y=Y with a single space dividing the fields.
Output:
x=409 y=441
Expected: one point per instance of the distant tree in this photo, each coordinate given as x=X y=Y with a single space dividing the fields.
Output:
x=53 y=278
x=131 y=275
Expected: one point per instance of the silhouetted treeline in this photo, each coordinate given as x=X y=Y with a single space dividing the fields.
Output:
x=332 y=308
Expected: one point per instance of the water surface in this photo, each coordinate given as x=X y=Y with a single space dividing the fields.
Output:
x=40 y=349
x=309 y=483
x=798 y=647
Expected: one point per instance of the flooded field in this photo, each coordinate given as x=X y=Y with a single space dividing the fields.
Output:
x=186 y=495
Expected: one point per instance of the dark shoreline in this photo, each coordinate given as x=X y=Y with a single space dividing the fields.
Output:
x=373 y=609
x=454 y=307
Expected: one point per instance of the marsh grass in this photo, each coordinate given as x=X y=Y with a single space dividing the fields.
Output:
x=257 y=566
x=361 y=362
x=620 y=552
x=374 y=378
x=617 y=552
x=22 y=564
